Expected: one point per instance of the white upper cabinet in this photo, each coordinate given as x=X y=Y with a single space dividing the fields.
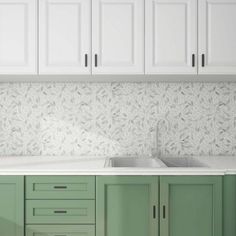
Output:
x=217 y=36
x=171 y=37
x=118 y=36
x=18 y=36
x=65 y=36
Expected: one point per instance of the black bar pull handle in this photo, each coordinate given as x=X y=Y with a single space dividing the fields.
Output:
x=203 y=60
x=60 y=212
x=164 y=212
x=193 y=60
x=60 y=187
x=154 y=212
x=86 y=60
x=96 y=60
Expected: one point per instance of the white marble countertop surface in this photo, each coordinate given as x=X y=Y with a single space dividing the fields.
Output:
x=75 y=165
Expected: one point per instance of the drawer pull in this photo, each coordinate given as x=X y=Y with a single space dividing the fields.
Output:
x=60 y=187
x=59 y=235
x=60 y=212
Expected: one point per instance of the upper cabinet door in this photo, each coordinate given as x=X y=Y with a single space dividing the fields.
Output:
x=65 y=36
x=118 y=36
x=18 y=21
x=171 y=36
x=217 y=36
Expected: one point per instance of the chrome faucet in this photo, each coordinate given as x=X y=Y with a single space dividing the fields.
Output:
x=163 y=125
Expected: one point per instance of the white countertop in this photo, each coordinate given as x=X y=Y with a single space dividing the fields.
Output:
x=48 y=165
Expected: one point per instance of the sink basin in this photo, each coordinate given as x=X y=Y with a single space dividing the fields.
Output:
x=182 y=162
x=135 y=162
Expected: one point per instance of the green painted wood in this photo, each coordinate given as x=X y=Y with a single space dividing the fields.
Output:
x=60 y=187
x=11 y=205
x=60 y=230
x=193 y=206
x=60 y=211
x=229 y=205
x=124 y=206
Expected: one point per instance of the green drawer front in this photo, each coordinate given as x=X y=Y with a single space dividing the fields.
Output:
x=60 y=187
x=60 y=211
x=60 y=230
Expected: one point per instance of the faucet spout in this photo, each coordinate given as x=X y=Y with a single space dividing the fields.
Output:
x=162 y=126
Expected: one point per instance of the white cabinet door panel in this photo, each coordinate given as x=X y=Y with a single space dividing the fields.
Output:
x=65 y=36
x=171 y=36
x=217 y=36
x=118 y=36
x=18 y=27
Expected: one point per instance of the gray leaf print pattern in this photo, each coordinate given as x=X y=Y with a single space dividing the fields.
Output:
x=97 y=119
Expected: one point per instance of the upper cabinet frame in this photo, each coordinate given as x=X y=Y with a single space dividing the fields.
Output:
x=118 y=37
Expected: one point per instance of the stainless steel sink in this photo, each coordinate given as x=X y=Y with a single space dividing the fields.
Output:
x=134 y=162
x=190 y=162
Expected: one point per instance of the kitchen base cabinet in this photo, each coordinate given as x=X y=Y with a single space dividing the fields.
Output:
x=127 y=206
x=60 y=230
x=229 y=201
x=191 y=206
x=11 y=205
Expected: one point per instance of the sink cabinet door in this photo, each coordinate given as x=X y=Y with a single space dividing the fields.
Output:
x=191 y=206
x=11 y=205
x=126 y=206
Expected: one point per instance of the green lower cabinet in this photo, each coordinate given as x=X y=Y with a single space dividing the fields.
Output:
x=191 y=206
x=60 y=230
x=11 y=205
x=127 y=206
x=229 y=200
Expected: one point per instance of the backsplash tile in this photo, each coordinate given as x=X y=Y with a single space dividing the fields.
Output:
x=117 y=118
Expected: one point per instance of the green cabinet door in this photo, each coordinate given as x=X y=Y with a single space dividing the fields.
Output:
x=191 y=206
x=229 y=200
x=11 y=205
x=127 y=206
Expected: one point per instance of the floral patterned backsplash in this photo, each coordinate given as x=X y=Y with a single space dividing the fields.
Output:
x=117 y=118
